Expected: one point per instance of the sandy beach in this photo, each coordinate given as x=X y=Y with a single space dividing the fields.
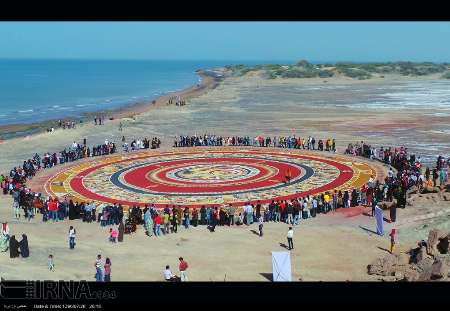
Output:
x=252 y=105
x=327 y=248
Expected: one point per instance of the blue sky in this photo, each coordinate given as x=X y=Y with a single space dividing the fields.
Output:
x=314 y=41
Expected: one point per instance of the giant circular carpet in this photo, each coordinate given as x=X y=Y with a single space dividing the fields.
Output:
x=199 y=177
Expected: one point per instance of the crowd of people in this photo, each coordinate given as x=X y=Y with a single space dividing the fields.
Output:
x=407 y=164
x=138 y=144
x=18 y=175
x=16 y=248
x=63 y=124
x=66 y=124
x=177 y=100
x=406 y=171
x=309 y=143
x=99 y=120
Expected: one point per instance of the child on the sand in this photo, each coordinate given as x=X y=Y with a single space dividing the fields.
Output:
x=260 y=226
x=51 y=264
x=113 y=234
x=393 y=236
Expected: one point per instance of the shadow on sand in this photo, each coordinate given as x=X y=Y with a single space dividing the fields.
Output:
x=268 y=276
x=384 y=249
x=368 y=230
x=284 y=246
x=254 y=232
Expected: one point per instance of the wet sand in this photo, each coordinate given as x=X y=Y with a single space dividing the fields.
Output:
x=209 y=81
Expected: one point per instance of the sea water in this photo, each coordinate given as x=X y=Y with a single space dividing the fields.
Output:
x=39 y=90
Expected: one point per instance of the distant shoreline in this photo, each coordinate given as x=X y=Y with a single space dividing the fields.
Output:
x=209 y=80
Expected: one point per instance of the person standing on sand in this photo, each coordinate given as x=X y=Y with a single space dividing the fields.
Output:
x=393 y=236
x=148 y=223
x=379 y=220
x=23 y=244
x=260 y=225
x=374 y=205
x=72 y=233
x=157 y=222
x=16 y=209
x=166 y=222
x=13 y=247
x=5 y=229
x=183 y=268
x=290 y=235
x=174 y=222
x=98 y=269
x=121 y=230
x=51 y=264
x=393 y=212
x=107 y=267
x=231 y=212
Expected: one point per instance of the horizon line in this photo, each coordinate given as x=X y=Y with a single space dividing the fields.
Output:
x=217 y=60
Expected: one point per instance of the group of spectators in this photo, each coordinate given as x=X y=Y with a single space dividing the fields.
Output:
x=177 y=100
x=18 y=176
x=408 y=166
x=405 y=172
x=138 y=144
x=309 y=143
x=99 y=120
x=66 y=124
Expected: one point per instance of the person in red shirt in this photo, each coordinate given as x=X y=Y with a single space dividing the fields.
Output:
x=52 y=208
x=393 y=236
x=283 y=210
x=183 y=267
x=157 y=222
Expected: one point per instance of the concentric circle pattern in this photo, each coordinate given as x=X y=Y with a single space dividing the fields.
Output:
x=207 y=177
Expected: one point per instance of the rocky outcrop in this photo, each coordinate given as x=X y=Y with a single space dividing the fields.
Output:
x=435 y=194
x=439 y=269
x=430 y=260
x=384 y=266
x=434 y=238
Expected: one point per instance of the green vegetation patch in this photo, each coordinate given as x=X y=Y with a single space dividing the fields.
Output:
x=305 y=69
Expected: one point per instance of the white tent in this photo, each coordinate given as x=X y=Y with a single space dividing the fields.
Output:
x=281 y=266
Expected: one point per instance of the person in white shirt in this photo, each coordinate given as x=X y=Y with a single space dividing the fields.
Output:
x=305 y=208
x=98 y=269
x=390 y=173
x=168 y=275
x=260 y=225
x=249 y=214
x=290 y=235
x=72 y=234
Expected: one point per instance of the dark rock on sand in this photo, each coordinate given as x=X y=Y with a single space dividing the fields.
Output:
x=430 y=260
x=434 y=238
x=439 y=269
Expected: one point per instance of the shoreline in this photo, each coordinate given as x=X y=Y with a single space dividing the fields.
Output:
x=209 y=80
